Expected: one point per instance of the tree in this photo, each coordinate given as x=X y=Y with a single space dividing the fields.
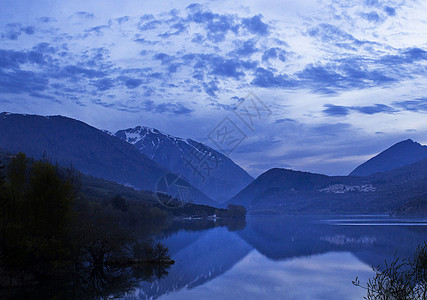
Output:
x=120 y=203
x=39 y=207
x=236 y=211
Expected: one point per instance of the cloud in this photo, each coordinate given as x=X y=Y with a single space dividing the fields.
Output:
x=45 y=48
x=226 y=67
x=145 y=25
x=14 y=59
x=146 y=42
x=284 y=120
x=330 y=33
x=416 y=105
x=75 y=71
x=408 y=57
x=274 y=53
x=198 y=38
x=321 y=76
x=337 y=37
x=46 y=19
x=122 y=20
x=338 y=111
x=44 y=96
x=256 y=26
x=131 y=83
x=371 y=2
x=244 y=48
x=163 y=58
x=216 y=25
x=211 y=88
x=206 y=56
x=372 y=17
x=14 y=30
x=332 y=129
x=96 y=30
x=266 y=78
x=172 y=108
x=415 y=54
x=176 y=28
x=18 y=81
x=374 y=109
x=83 y=15
x=343 y=75
x=217 y=65
x=391 y=12
x=335 y=110
x=103 y=84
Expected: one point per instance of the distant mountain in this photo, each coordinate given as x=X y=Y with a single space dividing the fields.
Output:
x=210 y=171
x=90 y=150
x=293 y=192
x=401 y=154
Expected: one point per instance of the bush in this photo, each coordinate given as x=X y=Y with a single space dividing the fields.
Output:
x=401 y=279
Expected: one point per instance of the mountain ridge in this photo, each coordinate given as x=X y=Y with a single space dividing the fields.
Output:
x=295 y=192
x=90 y=150
x=210 y=171
x=400 y=154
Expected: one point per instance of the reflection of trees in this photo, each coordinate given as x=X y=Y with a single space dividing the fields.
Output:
x=400 y=279
x=91 y=282
x=109 y=262
x=96 y=282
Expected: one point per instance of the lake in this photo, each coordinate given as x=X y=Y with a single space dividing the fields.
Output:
x=282 y=257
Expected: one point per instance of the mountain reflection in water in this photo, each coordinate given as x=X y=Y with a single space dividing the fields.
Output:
x=282 y=257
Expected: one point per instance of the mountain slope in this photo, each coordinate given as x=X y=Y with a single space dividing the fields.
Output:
x=401 y=154
x=288 y=191
x=210 y=171
x=415 y=207
x=91 y=151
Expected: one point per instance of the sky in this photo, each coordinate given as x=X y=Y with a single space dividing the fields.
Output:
x=325 y=84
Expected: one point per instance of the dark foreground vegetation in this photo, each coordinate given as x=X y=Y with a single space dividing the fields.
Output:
x=68 y=235
x=51 y=235
x=402 y=279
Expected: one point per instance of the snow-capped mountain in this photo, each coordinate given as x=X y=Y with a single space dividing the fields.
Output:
x=210 y=171
x=92 y=151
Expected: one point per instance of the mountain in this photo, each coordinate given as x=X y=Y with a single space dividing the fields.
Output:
x=294 y=192
x=401 y=154
x=90 y=150
x=210 y=171
x=97 y=189
x=415 y=207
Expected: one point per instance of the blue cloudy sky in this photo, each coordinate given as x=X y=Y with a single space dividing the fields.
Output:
x=343 y=79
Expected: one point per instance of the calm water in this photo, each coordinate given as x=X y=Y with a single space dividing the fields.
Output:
x=278 y=257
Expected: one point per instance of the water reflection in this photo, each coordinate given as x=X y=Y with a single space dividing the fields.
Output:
x=281 y=257
x=325 y=276
x=91 y=282
x=206 y=254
